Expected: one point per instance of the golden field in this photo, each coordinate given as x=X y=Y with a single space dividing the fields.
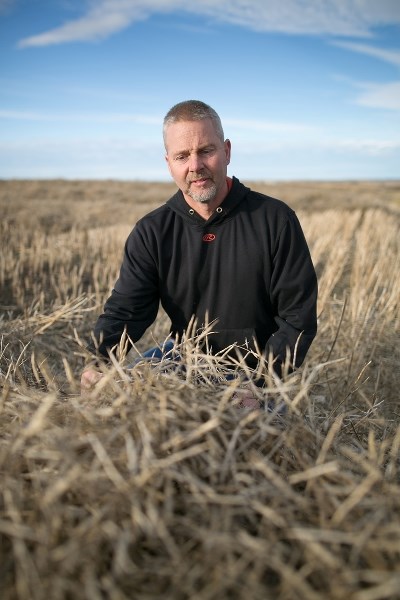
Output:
x=155 y=484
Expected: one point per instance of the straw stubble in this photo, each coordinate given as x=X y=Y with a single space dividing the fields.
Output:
x=156 y=484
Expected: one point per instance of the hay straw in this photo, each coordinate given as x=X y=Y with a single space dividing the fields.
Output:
x=155 y=484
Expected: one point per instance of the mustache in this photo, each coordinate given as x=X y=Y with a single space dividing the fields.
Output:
x=196 y=176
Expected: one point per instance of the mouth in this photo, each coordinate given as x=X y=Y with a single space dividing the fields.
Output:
x=199 y=182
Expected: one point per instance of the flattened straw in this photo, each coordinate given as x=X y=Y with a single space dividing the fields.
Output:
x=34 y=368
x=181 y=439
x=269 y=473
x=61 y=485
x=17 y=530
x=269 y=514
x=69 y=374
x=292 y=581
x=229 y=458
x=109 y=468
x=388 y=590
x=158 y=465
x=328 y=441
x=37 y=422
x=391 y=468
x=314 y=472
x=355 y=497
x=131 y=454
x=63 y=312
x=26 y=576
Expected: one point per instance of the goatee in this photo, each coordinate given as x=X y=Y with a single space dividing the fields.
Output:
x=203 y=196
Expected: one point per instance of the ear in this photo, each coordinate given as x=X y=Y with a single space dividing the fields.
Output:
x=227 y=146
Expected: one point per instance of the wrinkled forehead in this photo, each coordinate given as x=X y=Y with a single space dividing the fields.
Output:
x=188 y=135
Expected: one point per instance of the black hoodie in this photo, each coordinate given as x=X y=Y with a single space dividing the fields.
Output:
x=247 y=267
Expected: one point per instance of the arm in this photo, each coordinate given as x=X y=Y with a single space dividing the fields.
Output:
x=133 y=304
x=293 y=295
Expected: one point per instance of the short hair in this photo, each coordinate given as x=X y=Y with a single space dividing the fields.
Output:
x=192 y=110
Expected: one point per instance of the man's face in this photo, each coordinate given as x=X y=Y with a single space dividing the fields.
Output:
x=197 y=159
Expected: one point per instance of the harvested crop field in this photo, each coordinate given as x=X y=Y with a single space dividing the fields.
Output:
x=156 y=484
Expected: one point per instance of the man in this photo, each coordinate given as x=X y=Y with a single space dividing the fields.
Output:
x=216 y=251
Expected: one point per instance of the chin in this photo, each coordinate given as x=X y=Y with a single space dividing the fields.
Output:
x=206 y=197
x=202 y=199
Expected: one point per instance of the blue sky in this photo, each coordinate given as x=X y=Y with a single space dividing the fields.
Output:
x=305 y=89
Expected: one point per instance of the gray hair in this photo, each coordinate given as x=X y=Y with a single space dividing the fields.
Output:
x=193 y=110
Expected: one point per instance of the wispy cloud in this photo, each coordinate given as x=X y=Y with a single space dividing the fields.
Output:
x=376 y=95
x=331 y=17
x=82 y=157
x=382 y=95
x=99 y=22
x=286 y=127
x=26 y=115
x=389 y=56
x=112 y=157
x=270 y=126
x=362 y=146
x=328 y=17
x=104 y=147
x=370 y=147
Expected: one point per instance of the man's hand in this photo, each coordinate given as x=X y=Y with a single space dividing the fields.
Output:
x=246 y=399
x=89 y=378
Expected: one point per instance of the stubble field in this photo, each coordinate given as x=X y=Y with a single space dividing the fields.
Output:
x=155 y=484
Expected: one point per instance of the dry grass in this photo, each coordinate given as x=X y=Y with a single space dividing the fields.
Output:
x=155 y=485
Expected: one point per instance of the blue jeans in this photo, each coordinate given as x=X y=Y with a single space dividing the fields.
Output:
x=159 y=352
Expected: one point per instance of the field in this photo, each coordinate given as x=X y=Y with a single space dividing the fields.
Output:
x=155 y=484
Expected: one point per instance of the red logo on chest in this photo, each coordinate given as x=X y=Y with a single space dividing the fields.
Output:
x=208 y=237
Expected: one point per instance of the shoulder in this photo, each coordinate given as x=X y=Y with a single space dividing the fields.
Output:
x=152 y=229
x=152 y=221
x=261 y=201
x=154 y=216
x=268 y=211
x=269 y=204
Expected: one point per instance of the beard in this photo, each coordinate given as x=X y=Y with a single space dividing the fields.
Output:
x=204 y=196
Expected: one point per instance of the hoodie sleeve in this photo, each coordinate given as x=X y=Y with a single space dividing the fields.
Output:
x=294 y=294
x=134 y=301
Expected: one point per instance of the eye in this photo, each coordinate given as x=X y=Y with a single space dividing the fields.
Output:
x=207 y=150
x=180 y=157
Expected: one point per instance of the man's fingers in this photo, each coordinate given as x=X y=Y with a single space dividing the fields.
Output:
x=89 y=378
x=246 y=399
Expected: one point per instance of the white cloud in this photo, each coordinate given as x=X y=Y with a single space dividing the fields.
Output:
x=26 y=115
x=383 y=95
x=390 y=56
x=376 y=95
x=102 y=19
x=104 y=148
x=114 y=157
x=247 y=125
x=317 y=17
x=367 y=147
x=270 y=126
x=332 y=17
x=83 y=157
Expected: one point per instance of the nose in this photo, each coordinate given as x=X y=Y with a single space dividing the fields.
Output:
x=195 y=162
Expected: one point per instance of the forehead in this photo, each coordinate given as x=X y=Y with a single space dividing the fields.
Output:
x=189 y=135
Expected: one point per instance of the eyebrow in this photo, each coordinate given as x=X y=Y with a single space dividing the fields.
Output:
x=200 y=149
